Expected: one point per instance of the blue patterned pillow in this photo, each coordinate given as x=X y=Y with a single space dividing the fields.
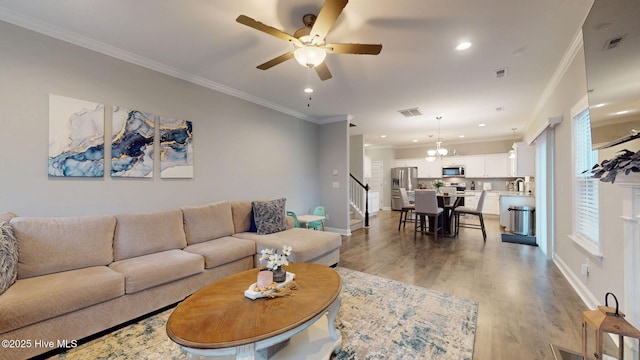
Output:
x=8 y=256
x=269 y=216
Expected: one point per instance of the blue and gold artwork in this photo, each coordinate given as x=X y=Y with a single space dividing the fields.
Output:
x=76 y=137
x=176 y=148
x=132 y=143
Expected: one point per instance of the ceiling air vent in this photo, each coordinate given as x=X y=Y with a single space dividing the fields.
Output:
x=410 y=112
x=615 y=42
x=501 y=73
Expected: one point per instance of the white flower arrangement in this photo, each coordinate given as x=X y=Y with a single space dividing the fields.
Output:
x=274 y=260
x=437 y=184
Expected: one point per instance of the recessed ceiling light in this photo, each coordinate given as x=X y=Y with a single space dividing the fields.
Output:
x=599 y=105
x=308 y=90
x=383 y=136
x=463 y=46
x=622 y=112
x=481 y=125
x=415 y=140
x=460 y=136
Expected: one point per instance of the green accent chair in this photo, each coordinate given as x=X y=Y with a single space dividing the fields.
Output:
x=295 y=218
x=317 y=225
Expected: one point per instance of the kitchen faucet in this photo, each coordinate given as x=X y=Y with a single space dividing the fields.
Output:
x=519 y=180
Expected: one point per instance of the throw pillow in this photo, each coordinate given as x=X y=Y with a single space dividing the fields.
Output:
x=269 y=216
x=8 y=256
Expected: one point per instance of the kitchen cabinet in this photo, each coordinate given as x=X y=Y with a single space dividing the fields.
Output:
x=491 y=203
x=487 y=166
x=454 y=160
x=406 y=162
x=471 y=202
x=523 y=160
x=429 y=169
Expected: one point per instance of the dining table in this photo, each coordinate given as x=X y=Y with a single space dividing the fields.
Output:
x=443 y=202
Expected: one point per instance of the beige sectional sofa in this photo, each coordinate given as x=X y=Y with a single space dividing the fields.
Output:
x=78 y=276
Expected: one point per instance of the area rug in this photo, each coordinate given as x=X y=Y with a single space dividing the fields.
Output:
x=379 y=319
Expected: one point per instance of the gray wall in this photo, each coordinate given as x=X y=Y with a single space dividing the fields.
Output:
x=605 y=275
x=242 y=151
x=334 y=169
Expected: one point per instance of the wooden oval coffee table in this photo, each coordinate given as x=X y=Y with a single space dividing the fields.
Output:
x=219 y=320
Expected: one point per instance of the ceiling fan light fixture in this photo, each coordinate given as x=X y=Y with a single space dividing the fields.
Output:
x=310 y=56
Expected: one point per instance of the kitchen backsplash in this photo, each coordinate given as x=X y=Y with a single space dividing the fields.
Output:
x=496 y=184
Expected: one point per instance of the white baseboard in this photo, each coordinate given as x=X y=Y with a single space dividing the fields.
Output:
x=345 y=232
x=587 y=297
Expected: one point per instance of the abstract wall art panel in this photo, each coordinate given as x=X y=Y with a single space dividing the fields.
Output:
x=132 y=143
x=176 y=148
x=76 y=137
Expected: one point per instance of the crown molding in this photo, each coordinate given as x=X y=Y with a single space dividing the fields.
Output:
x=55 y=32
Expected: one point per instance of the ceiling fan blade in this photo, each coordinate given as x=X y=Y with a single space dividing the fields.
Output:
x=276 y=61
x=323 y=71
x=245 y=20
x=365 y=49
x=326 y=18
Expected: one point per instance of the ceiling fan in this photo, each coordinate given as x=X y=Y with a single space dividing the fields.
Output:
x=310 y=48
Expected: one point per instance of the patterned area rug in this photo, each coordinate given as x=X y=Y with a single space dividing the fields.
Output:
x=379 y=319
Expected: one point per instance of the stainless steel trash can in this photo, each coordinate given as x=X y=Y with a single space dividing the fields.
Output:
x=522 y=220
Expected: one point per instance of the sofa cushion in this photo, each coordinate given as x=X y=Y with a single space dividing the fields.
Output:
x=223 y=250
x=269 y=216
x=202 y=223
x=49 y=245
x=142 y=234
x=147 y=271
x=9 y=256
x=306 y=244
x=44 y=297
x=242 y=213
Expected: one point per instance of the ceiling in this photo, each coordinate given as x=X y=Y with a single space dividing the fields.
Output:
x=200 y=41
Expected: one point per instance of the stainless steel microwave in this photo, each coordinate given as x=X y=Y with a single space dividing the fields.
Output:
x=453 y=171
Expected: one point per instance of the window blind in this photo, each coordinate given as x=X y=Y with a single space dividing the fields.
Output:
x=586 y=192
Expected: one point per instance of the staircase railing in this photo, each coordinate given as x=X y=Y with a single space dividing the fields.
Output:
x=356 y=187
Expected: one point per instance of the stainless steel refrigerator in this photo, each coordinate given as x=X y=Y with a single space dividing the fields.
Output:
x=402 y=177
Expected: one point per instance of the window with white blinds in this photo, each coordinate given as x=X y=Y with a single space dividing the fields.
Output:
x=586 y=191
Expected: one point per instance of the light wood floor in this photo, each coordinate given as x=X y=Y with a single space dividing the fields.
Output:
x=525 y=302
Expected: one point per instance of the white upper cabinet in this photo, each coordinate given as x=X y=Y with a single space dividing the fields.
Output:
x=429 y=169
x=474 y=167
x=407 y=162
x=523 y=163
x=497 y=165
x=487 y=166
x=454 y=160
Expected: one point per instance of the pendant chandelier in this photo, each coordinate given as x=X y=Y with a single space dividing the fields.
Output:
x=439 y=151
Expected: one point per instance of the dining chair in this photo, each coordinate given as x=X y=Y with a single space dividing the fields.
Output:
x=462 y=210
x=296 y=223
x=407 y=208
x=426 y=206
x=319 y=210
